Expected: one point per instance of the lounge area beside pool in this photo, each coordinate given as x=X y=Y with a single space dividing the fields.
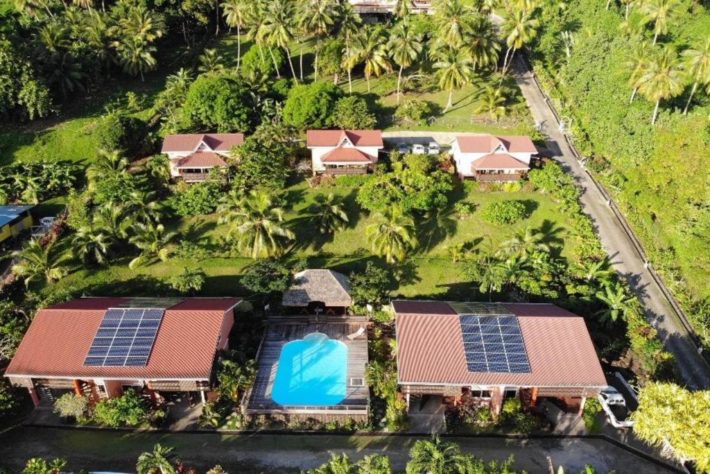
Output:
x=309 y=368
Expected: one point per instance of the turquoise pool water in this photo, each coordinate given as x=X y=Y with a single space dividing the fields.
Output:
x=312 y=371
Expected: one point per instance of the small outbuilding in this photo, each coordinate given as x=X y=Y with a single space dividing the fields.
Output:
x=14 y=220
x=319 y=291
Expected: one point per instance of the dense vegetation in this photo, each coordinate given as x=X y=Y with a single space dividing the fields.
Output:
x=613 y=67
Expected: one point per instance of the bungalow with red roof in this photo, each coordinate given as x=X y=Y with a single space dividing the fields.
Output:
x=100 y=346
x=492 y=158
x=337 y=152
x=193 y=155
x=493 y=351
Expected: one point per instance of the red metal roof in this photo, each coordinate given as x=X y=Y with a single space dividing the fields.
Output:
x=335 y=137
x=347 y=155
x=499 y=161
x=189 y=141
x=201 y=159
x=430 y=348
x=488 y=144
x=60 y=336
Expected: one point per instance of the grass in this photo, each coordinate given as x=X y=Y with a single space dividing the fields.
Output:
x=428 y=273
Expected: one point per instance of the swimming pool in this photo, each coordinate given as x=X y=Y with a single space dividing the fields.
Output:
x=312 y=371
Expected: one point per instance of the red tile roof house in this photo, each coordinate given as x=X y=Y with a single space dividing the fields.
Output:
x=492 y=158
x=495 y=351
x=192 y=156
x=99 y=346
x=337 y=152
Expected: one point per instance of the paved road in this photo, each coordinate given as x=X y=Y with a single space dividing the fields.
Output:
x=257 y=453
x=693 y=368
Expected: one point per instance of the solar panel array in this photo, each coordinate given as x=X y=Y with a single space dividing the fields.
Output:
x=125 y=337
x=493 y=344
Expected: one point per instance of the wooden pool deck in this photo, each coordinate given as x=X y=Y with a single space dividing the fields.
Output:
x=281 y=330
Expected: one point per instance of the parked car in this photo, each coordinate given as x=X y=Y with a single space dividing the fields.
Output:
x=418 y=149
x=614 y=405
x=403 y=148
x=434 y=148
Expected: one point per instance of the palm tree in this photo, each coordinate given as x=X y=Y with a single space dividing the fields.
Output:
x=618 y=302
x=697 y=66
x=90 y=244
x=338 y=464
x=402 y=8
x=318 y=18
x=392 y=236
x=159 y=461
x=638 y=64
x=152 y=240
x=31 y=7
x=435 y=457
x=493 y=103
x=330 y=214
x=136 y=56
x=454 y=67
x=371 y=49
x=235 y=15
x=350 y=23
x=662 y=80
x=278 y=27
x=598 y=271
x=257 y=222
x=112 y=220
x=524 y=243
x=519 y=28
x=452 y=22
x=107 y=164
x=37 y=261
x=210 y=62
x=405 y=47
x=659 y=12
x=374 y=464
x=483 y=43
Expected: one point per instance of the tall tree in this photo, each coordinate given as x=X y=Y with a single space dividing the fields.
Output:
x=405 y=46
x=697 y=66
x=158 y=461
x=659 y=12
x=350 y=23
x=235 y=15
x=638 y=63
x=455 y=70
x=371 y=50
x=257 y=222
x=519 y=28
x=663 y=79
x=319 y=17
x=279 y=26
x=330 y=213
x=392 y=236
x=452 y=20
x=152 y=240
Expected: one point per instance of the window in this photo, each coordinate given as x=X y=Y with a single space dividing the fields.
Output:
x=510 y=393
x=481 y=393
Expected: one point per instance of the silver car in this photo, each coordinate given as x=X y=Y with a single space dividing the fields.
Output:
x=434 y=148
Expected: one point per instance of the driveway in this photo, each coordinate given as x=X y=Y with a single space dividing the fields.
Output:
x=693 y=368
x=257 y=453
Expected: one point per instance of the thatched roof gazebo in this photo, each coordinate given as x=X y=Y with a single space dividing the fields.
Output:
x=318 y=287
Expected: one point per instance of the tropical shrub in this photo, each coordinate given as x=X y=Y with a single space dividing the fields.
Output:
x=414 y=111
x=266 y=277
x=35 y=182
x=23 y=94
x=189 y=282
x=464 y=209
x=71 y=405
x=311 y=105
x=8 y=400
x=259 y=61
x=219 y=102
x=504 y=212
x=42 y=466
x=592 y=408
x=353 y=113
x=118 y=131
x=264 y=158
x=197 y=199
x=127 y=410
x=371 y=286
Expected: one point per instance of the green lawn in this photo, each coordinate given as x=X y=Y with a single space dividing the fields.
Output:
x=428 y=273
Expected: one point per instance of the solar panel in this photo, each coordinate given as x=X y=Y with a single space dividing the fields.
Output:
x=493 y=343
x=125 y=337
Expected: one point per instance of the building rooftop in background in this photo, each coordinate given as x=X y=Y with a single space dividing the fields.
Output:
x=436 y=345
x=190 y=142
x=187 y=332
x=334 y=138
x=332 y=289
x=495 y=144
